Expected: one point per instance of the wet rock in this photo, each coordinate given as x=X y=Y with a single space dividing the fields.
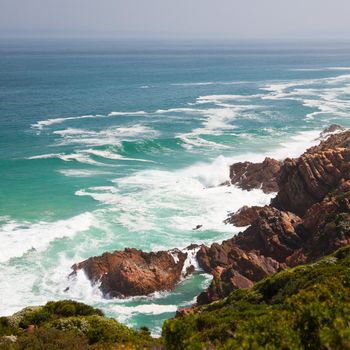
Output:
x=334 y=128
x=244 y=216
x=133 y=272
x=260 y=250
x=306 y=180
x=250 y=176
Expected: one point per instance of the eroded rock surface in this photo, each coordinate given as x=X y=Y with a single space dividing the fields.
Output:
x=250 y=176
x=306 y=180
x=308 y=218
x=244 y=216
x=133 y=272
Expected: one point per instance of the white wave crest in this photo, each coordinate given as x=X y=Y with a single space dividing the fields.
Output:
x=19 y=238
x=47 y=122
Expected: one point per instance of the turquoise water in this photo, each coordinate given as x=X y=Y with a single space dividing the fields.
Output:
x=113 y=144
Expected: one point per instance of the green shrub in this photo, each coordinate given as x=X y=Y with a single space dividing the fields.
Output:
x=67 y=308
x=51 y=339
x=36 y=318
x=307 y=307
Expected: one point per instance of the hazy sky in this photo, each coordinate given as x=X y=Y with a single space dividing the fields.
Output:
x=176 y=18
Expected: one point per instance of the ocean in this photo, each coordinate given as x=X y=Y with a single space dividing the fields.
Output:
x=112 y=144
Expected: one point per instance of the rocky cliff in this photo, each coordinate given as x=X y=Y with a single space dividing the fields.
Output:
x=308 y=218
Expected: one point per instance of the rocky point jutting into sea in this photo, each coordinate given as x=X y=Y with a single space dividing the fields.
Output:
x=307 y=219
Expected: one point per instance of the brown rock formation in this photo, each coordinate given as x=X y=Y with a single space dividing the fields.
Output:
x=306 y=180
x=315 y=186
x=334 y=128
x=133 y=272
x=249 y=175
x=251 y=255
x=244 y=216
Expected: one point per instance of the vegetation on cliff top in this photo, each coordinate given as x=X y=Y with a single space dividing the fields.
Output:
x=69 y=325
x=307 y=307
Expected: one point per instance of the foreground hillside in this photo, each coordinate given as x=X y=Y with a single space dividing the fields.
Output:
x=307 y=307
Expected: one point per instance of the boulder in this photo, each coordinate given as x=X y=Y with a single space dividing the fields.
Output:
x=133 y=272
x=248 y=175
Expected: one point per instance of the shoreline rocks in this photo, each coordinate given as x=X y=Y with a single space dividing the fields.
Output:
x=249 y=176
x=308 y=218
x=133 y=272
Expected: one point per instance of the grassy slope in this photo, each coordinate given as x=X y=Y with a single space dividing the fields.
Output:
x=307 y=307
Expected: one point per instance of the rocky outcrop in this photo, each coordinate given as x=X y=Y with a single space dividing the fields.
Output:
x=306 y=180
x=250 y=176
x=133 y=272
x=251 y=255
x=308 y=219
x=244 y=216
x=332 y=129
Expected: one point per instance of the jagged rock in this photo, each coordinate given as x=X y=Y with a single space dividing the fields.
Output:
x=252 y=255
x=133 y=272
x=334 y=128
x=244 y=216
x=306 y=180
x=309 y=218
x=328 y=223
x=249 y=175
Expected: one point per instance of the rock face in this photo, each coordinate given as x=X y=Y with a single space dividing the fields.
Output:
x=133 y=272
x=306 y=180
x=244 y=216
x=334 y=128
x=308 y=218
x=249 y=175
x=251 y=255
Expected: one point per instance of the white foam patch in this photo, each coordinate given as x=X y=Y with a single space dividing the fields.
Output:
x=110 y=136
x=19 y=238
x=79 y=157
x=319 y=69
x=218 y=99
x=108 y=154
x=83 y=172
x=215 y=120
x=115 y=114
x=41 y=124
x=206 y=83
x=147 y=309
x=191 y=260
x=188 y=197
x=192 y=141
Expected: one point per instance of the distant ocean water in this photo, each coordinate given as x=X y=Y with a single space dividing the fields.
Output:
x=113 y=144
